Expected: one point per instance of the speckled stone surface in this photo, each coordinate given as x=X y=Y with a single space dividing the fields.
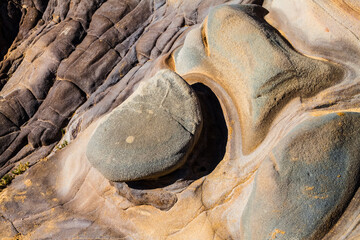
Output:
x=307 y=179
x=150 y=134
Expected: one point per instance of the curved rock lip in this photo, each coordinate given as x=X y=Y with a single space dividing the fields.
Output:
x=254 y=64
x=150 y=134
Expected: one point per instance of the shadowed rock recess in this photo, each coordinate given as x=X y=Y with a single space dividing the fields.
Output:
x=186 y=119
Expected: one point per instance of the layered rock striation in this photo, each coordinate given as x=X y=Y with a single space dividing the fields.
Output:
x=180 y=119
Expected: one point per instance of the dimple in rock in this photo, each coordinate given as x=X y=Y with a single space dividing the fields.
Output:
x=150 y=134
x=130 y=139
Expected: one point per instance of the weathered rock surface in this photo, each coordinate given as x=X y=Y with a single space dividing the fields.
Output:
x=264 y=75
x=150 y=134
x=273 y=85
x=307 y=180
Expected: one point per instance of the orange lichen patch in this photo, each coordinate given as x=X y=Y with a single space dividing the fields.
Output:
x=321 y=197
x=44 y=159
x=327 y=30
x=313 y=194
x=340 y=114
x=276 y=232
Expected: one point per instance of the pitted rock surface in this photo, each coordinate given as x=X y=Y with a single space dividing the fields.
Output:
x=308 y=178
x=150 y=134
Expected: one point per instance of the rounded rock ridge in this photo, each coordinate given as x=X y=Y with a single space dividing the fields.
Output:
x=150 y=134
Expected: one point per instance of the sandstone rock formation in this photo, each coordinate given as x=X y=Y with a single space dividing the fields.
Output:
x=277 y=85
x=264 y=75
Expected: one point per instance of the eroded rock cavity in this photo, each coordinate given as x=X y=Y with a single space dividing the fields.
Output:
x=253 y=63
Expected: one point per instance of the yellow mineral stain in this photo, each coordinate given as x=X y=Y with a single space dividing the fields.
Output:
x=28 y=183
x=321 y=197
x=50 y=227
x=231 y=129
x=130 y=139
x=339 y=176
x=169 y=62
x=283 y=34
x=19 y=198
x=18 y=236
x=342 y=112
x=4 y=197
x=204 y=38
x=276 y=232
x=312 y=194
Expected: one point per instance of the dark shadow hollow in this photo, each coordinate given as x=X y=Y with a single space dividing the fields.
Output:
x=10 y=16
x=207 y=153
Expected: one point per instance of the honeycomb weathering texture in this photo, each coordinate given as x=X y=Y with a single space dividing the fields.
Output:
x=277 y=85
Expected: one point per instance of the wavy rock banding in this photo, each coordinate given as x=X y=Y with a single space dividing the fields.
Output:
x=263 y=75
x=278 y=87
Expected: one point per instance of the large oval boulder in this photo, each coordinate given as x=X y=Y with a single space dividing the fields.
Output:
x=150 y=134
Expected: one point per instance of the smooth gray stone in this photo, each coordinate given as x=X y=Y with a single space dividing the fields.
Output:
x=150 y=134
x=307 y=181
